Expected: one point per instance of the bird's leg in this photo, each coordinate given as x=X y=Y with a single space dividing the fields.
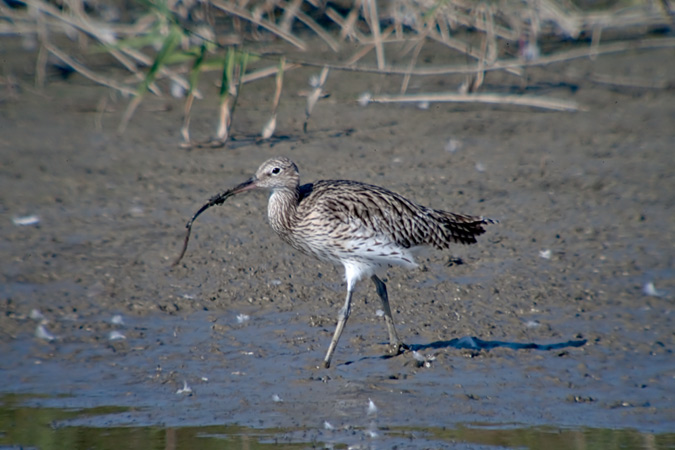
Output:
x=343 y=315
x=395 y=344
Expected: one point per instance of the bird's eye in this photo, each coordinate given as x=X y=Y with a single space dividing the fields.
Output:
x=276 y=171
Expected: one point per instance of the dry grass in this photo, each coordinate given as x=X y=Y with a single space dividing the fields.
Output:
x=178 y=41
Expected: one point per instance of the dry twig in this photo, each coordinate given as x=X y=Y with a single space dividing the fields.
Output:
x=520 y=100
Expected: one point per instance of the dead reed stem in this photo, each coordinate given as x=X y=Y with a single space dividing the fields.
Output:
x=494 y=29
x=88 y=73
x=370 y=11
x=231 y=8
x=314 y=96
x=316 y=28
x=520 y=100
x=586 y=52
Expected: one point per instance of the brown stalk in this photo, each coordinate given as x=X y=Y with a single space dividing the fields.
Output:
x=279 y=84
x=290 y=12
x=466 y=49
x=346 y=25
x=172 y=75
x=242 y=13
x=267 y=72
x=185 y=129
x=86 y=72
x=595 y=42
x=270 y=126
x=520 y=100
x=314 y=96
x=41 y=60
x=413 y=60
x=224 y=122
x=129 y=112
x=615 y=47
x=370 y=12
x=367 y=49
x=83 y=23
x=315 y=27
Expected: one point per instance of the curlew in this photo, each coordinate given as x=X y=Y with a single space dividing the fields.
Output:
x=362 y=227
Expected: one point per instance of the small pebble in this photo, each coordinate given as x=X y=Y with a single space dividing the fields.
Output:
x=650 y=289
x=418 y=356
x=365 y=98
x=177 y=91
x=136 y=211
x=315 y=81
x=372 y=409
x=241 y=318
x=453 y=145
x=26 y=220
x=185 y=389
x=117 y=319
x=42 y=333
x=116 y=336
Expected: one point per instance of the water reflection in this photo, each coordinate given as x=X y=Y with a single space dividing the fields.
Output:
x=48 y=429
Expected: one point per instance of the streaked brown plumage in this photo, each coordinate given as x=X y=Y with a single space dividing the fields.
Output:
x=361 y=226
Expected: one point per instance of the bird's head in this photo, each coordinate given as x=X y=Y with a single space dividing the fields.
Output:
x=275 y=173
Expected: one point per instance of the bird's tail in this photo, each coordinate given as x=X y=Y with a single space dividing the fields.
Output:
x=459 y=228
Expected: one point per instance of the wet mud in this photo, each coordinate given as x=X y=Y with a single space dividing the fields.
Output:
x=561 y=316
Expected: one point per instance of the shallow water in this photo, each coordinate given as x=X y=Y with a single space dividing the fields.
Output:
x=182 y=378
x=29 y=426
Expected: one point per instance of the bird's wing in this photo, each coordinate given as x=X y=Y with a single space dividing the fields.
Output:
x=359 y=209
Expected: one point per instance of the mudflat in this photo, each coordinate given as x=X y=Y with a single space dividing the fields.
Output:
x=561 y=315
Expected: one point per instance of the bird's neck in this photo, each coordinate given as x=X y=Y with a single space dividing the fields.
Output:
x=282 y=208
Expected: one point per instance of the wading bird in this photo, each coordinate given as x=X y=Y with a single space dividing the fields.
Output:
x=363 y=227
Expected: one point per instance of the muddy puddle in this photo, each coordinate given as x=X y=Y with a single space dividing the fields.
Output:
x=554 y=331
x=235 y=380
x=49 y=428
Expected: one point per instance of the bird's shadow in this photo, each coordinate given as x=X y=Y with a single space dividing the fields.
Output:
x=477 y=344
x=474 y=343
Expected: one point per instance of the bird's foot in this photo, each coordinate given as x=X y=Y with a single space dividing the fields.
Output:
x=397 y=348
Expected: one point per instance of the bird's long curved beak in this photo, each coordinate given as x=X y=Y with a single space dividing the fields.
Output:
x=245 y=186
